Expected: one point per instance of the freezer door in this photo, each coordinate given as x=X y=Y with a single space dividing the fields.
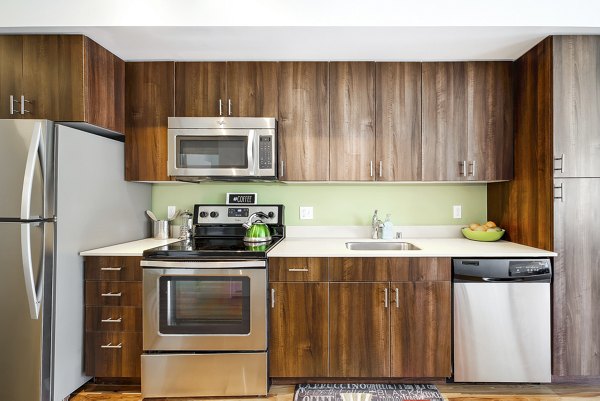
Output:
x=21 y=340
x=26 y=156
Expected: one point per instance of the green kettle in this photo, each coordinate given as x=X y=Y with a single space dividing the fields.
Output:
x=256 y=230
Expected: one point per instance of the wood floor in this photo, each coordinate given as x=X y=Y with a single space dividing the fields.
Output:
x=550 y=392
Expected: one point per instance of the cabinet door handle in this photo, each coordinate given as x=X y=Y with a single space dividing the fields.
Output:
x=463 y=168
x=220 y=107
x=272 y=298
x=282 y=173
x=561 y=196
x=397 y=298
x=385 y=299
x=111 y=269
x=111 y=320
x=12 y=105
x=110 y=346
x=303 y=269
x=562 y=163
x=228 y=107
x=371 y=168
x=380 y=168
x=111 y=294
x=472 y=168
x=23 y=101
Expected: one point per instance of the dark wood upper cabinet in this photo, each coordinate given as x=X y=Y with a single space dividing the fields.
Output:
x=467 y=121
x=298 y=324
x=576 y=112
x=444 y=121
x=398 y=127
x=11 y=73
x=359 y=330
x=421 y=329
x=490 y=121
x=252 y=89
x=200 y=89
x=303 y=121
x=150 y=100
x=352 y=121
x=67 y=78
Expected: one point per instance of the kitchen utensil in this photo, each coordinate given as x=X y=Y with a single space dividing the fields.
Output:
x=185 y=229
x=177 y=213
x=485 y=236
x=256 y=230
x=151 y=215
x=160 y=229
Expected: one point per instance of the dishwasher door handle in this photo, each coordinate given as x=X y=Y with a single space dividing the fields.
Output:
x=501 y=280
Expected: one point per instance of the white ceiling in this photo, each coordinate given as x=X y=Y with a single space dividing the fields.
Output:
x=417 y=30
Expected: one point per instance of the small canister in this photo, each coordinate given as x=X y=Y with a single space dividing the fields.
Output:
x=160 y=229
x=185 y=231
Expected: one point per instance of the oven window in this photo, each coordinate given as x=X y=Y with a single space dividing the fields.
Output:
x=212 y=152
x=204 y=305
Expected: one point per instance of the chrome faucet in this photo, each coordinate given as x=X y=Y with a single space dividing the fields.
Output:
x=376 y=226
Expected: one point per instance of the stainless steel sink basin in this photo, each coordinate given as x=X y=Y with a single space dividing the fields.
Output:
x=381 y=246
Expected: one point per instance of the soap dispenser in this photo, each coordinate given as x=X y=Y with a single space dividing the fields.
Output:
x=388 y=228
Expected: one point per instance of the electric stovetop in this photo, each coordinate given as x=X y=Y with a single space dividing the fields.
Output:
x=219 y=234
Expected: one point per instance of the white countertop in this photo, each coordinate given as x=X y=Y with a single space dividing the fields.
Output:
x=438 y=247
x=133 y=248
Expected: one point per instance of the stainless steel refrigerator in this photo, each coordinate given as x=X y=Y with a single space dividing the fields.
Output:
x=62 y=191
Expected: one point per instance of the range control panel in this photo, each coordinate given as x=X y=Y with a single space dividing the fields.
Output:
x=236 y=214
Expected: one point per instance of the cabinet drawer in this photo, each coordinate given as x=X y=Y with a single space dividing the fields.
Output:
x=113 y=268
x=113 y=354
x=113 y=293
x=421 y=269
x=359 y=269
x=297 y=269
x=113 y=318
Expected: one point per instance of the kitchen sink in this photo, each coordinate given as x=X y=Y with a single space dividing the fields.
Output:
x=381 y=246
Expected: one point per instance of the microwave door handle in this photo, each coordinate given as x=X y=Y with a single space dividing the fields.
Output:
x=251 y=148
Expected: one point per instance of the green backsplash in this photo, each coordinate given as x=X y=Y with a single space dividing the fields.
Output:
x=341 y=204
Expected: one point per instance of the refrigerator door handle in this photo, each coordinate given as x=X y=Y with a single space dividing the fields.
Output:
x=36 y=149
x=34 y=292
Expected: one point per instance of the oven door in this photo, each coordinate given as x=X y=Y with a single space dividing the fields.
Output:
x=205 y=306
x=221 y=152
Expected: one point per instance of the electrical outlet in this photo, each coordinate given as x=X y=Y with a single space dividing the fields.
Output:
x=306 y=212
x=457 y=211
x=171 y=210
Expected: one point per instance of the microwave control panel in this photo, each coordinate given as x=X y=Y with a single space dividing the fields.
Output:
x=265 y=152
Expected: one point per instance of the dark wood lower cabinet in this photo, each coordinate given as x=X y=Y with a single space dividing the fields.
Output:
x=298 y=330
x=359 y=341
x=113 y=354
x=421 y=329
x=113 y=317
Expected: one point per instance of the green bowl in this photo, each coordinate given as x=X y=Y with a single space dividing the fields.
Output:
x=486 y=236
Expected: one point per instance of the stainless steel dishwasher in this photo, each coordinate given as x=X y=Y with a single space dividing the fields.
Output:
x=502 y=320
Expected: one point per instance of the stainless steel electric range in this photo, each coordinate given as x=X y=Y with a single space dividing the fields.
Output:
x=205 y=307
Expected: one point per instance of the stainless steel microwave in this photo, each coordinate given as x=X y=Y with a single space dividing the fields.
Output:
x=222 y=148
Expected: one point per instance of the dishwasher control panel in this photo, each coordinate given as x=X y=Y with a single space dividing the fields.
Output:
x=526 y=268
x=502 y=270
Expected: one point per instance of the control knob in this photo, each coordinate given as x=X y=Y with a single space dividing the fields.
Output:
x=214 y=214
x=203 y=214
x=271 y=215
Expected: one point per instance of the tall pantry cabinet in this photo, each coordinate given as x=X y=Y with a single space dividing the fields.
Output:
x=554 y=199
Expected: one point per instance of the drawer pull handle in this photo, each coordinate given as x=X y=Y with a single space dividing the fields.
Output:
x=304 y=269
x=110 y=346
x=111 y=294
x=111 y=269
x=111 y=320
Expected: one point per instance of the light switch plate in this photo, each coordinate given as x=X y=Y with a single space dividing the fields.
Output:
x=306 y=212
x=171 y=210
x=457 y=211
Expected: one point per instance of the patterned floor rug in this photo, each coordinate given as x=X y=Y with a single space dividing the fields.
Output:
x=366 y=392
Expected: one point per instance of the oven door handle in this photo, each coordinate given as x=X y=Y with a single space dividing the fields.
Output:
x=230 y=264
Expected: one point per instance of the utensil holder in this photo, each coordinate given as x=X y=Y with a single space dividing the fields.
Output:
x=160 y=229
